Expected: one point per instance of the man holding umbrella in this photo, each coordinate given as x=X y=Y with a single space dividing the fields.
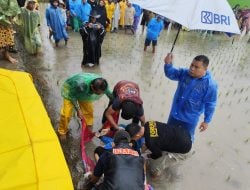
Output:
x=196 y=94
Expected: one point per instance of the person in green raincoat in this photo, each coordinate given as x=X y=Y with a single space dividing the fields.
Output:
x=80 y=91
x=30 y=27
x=8 y=10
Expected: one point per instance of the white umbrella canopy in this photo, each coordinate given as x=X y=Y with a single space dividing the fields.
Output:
x=216 y=15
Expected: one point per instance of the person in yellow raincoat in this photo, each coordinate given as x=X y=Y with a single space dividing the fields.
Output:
x=37 y=4
x=80 y=91
x=110 y=8
x=123 y=6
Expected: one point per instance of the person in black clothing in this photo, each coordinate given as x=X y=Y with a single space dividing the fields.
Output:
x=21 y=3
x=123 y=168
x=101 y=10
x=160 y=137
x=92 y=36
x=145 y=19
x=92 y=3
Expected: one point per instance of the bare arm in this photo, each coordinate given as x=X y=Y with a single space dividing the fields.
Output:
x=109 y=117
x=94 y=179
x=77 y=108
x=142 y=119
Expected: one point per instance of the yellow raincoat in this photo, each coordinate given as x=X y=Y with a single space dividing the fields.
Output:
x=110 y=8
x=123 y=6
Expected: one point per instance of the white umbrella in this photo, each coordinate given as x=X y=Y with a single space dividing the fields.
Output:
x=215 y=15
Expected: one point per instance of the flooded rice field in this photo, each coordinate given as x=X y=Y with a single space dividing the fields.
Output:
x=221 y=157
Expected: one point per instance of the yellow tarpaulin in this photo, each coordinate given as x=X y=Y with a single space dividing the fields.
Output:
x=31 y=157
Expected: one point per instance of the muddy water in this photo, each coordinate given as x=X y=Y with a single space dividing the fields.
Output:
x=221 y=158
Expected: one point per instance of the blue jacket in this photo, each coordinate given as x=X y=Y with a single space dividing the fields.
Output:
x=108 y=141
x=84 y=9
x=73 y=8
x=56 y=22
x=193 y=96
x=154 y=29
x=138 y=10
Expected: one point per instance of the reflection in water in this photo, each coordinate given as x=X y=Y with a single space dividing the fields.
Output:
x=222 y=159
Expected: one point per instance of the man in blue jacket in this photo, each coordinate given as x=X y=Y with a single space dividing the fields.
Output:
x=74 y=7
x=84 y=10
x=196 y=94
x=138 y=12
x=155 y=26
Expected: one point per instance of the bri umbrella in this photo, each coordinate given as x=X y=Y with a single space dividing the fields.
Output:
x=86 y=136
x=215 y=15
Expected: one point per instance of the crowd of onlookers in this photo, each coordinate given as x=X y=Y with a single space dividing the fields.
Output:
x=243 y=18
x=63 y=15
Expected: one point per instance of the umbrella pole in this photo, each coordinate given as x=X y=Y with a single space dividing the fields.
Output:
x=179 y=29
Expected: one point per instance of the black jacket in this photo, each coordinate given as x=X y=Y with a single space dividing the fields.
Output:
x=162 y=137
x=123 y=171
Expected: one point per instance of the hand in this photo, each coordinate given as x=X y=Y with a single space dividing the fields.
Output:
x=115 y=127
x=145 y=155
x=102 y=133
x=98 y=26
x=121 y=128
x=87 y=175
x=50 y=29
x=169 y=58
x=80 y=114
x=203 y=126
x=90 y=25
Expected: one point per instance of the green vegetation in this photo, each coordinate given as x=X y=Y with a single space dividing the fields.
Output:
x=242 y=3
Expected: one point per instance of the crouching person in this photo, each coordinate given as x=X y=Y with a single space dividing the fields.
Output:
x=123 y=168
x=80 y=91
x=162 y=140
